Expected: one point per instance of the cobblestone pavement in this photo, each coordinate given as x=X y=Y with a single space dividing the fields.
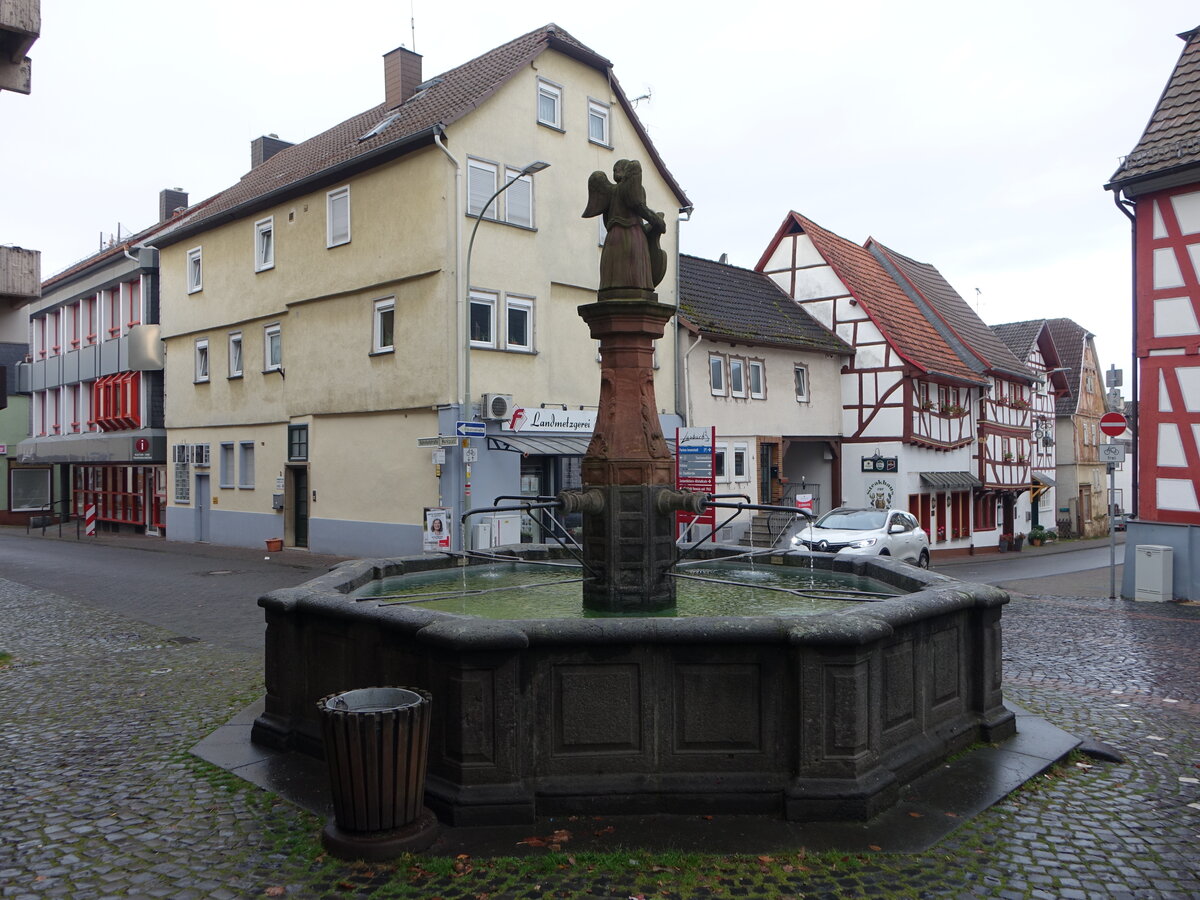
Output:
x=100 y=798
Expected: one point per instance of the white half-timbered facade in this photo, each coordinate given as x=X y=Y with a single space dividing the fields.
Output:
x=1031 y=342
x=909 y=401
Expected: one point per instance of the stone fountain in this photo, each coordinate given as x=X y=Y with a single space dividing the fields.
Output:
x=811 y=718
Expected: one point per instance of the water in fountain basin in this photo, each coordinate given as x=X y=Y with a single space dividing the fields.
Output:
x=531 y=591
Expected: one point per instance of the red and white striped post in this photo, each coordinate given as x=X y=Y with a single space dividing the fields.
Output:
x=89 y=520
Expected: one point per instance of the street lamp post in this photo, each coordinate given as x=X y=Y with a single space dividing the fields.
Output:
x=465 y=410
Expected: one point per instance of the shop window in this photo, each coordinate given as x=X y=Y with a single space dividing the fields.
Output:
x=29 y=489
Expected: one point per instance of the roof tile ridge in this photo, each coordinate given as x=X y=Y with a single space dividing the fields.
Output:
x=927 y=307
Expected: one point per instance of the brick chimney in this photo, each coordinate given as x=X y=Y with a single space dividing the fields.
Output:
x=263 y=148
x=401 y=75
x=170 y=201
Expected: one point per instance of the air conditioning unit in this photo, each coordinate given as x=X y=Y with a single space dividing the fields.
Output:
x=497 y=406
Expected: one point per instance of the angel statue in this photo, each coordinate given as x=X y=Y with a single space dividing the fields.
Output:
x=632 y=257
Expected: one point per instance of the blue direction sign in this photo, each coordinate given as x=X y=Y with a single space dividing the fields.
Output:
x=470 y=429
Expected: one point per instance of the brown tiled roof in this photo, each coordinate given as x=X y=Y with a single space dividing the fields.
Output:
x=333 y=154
x=145 y=236
x=743 y=305
x=970 y=338
x=895 y=314
x=1172 y=137
x=1070 y=338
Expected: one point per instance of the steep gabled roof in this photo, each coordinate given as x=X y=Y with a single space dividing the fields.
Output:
x=1070 y=338
x=1020 y=337
x=344 y=149
x=1172 y=136
x=950 y=314
x=742 y=305
x=893 y=312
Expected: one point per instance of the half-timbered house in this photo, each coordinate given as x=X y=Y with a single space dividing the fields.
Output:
x=1032 y=343
x=909 y=401
x=1158 y=187
x=1081 y=476
x=1003 y=433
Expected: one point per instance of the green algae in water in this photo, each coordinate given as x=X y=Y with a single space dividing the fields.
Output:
x=530 y=591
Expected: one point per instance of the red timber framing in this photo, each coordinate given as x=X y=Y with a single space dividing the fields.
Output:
x=121 y=494
x=117 y=401
x=1168 y=349
x=939 y=415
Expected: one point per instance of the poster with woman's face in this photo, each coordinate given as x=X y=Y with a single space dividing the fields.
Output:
x=437 y=528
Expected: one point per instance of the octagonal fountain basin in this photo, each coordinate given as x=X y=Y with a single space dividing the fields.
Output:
x=773 y=702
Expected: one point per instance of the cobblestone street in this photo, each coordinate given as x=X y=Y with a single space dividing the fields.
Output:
x=101 y=797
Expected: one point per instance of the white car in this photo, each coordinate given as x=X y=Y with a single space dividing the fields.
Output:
x=867 y=532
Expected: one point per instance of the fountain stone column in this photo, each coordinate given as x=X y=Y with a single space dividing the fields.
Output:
x=629 y=542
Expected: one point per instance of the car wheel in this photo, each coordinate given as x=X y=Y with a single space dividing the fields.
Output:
x=884 y=552
x=923 y=559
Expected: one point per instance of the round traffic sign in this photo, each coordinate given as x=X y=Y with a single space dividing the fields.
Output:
x=1113 y=424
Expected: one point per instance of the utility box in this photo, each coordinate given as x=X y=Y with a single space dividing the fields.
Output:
x=496 y=530
x=1153 y=575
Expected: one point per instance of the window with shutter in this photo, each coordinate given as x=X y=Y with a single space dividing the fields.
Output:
x=337 y=217
x=519 y=198
x=481 y=184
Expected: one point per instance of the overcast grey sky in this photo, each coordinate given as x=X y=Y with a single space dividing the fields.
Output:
x=973 y=136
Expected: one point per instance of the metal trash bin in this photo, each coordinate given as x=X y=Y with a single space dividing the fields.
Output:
x=376 y=743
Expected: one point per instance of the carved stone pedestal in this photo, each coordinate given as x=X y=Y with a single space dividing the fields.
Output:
x=630 y=544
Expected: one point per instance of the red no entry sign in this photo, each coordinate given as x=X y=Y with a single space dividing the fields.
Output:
x=1113 y=424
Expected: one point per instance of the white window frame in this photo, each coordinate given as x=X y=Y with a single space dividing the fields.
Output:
x=525 y=305
x=246 y=465
x=801 y=370
x=524 y=187
x=716 y=366
x=202 y=362
x=382 y=308
x=195 y=270
x=491 y=300
x=599 y=112
x=721 y=460
x=264 y=244
x=270 y=331
x=753 y=366
x=553 y=92
x=235 y=339
x=737 y=377
x=333 y=200
x=478 y=172
x=226 y=470
x=741 y=454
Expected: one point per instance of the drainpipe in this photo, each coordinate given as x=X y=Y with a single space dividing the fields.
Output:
x=1126 y=206
x=438 y=133
x=459 y=304
x=687 y=380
